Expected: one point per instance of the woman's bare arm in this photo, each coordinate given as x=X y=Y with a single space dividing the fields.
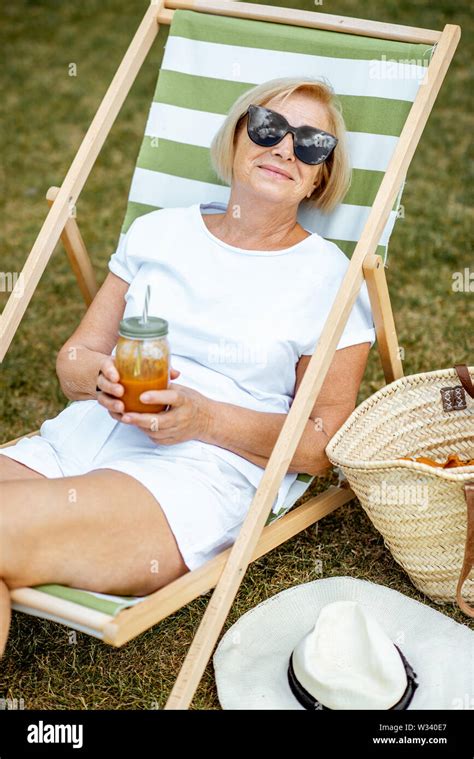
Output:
x=253 y=434
x=78 y=361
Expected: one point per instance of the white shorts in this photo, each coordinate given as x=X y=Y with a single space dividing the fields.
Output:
x=204 y=498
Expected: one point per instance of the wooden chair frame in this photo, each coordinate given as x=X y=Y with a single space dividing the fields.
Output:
x=226 y=571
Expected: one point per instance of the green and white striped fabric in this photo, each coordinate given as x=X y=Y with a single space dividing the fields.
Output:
x=209 y=61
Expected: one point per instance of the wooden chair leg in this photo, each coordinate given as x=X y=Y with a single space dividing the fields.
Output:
x=387 y=342
x=77 y=253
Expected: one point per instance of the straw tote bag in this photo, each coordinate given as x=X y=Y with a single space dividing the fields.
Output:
x=424 y=513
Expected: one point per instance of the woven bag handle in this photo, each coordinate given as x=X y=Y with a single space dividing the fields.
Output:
x=469 y=549
x=465 y=378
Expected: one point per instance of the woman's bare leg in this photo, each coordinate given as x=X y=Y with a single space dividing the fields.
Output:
x=101 y=531
x=5 y=615
x=13 y=470
x=10 y=470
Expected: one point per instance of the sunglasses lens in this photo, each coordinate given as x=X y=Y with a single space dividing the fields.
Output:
x=313 y=148
x=264 y=128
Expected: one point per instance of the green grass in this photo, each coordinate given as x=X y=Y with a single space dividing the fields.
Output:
x=46 y=114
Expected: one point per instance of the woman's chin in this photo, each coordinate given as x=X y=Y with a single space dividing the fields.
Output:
x=272 y=191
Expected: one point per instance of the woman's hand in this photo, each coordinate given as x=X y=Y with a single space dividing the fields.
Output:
x=111 y=389
x=188 y=418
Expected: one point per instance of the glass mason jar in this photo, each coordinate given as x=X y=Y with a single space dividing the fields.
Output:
x=142 y=359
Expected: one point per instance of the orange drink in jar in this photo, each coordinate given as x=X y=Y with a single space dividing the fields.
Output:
x=142 y=358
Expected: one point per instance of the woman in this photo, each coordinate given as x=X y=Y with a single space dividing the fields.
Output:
x=125 y=503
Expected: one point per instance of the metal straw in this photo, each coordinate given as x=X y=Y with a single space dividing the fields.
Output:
x=143 y=320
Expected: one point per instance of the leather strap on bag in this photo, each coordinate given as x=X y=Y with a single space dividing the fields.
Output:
x=469 y=549
x=465 y=378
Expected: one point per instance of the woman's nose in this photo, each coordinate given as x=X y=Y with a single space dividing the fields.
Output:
x=285 y=147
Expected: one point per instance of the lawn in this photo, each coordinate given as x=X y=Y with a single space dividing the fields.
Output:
x=45 y=116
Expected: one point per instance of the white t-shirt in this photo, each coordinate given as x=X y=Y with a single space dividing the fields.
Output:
x=239 y=319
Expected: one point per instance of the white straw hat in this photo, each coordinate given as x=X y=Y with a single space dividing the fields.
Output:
x=347 y=661
x=342 y=643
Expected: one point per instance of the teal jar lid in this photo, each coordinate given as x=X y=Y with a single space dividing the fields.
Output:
x=133 y=327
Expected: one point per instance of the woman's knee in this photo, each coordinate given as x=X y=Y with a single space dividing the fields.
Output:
x=156 y=574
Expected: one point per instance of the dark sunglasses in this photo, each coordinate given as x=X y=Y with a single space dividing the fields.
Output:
x=267 y=128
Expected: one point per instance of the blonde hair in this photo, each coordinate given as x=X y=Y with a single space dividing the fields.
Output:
x=335 y=173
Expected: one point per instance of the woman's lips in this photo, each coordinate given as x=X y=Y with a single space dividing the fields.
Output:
x=275 y=174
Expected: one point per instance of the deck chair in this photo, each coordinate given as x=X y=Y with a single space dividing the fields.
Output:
x=387 y=77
